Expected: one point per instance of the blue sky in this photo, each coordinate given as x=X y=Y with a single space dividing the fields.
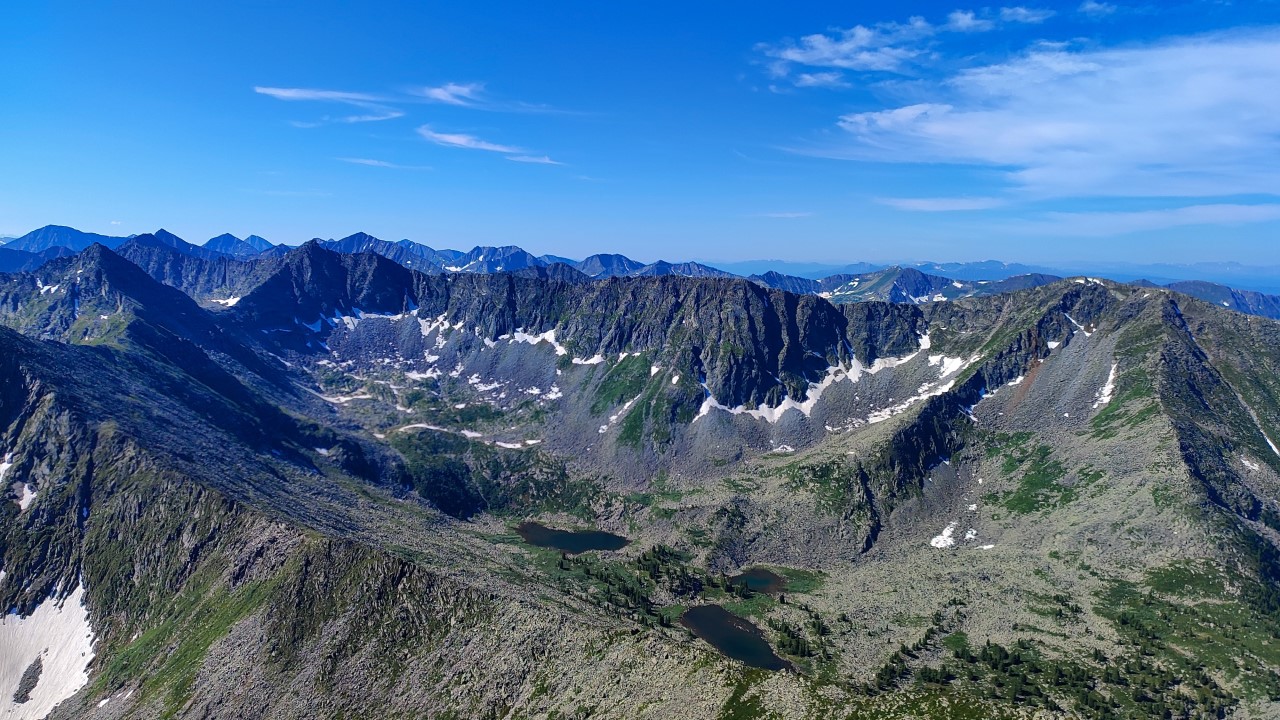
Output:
x=1038 y=132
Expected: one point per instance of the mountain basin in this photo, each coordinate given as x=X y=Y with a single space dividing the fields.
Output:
x=760 y=580
x=569 y=541
x=733 y=636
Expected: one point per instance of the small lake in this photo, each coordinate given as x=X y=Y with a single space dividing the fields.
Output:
x=760 y=580
x=733 y=636
x=570 y=541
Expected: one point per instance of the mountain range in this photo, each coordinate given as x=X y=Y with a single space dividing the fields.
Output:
x=321 y=483
x=921 y=282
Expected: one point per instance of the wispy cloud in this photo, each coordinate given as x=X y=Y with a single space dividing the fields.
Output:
x=115 y=222
x=463 y=94
x=820 y=79
x=382 y=164
x=967 y=21
x=373 y=105
x=891 y=47
x=784 y=215
x=943 y=204
x=469 y=142
x=472 y=95
x=884 y=47
x=321 y=95
x=1021 y=14
x=1104 y=224
x=292 y=193
x=1188 y=117
x=535 y=159
x=1096 y=9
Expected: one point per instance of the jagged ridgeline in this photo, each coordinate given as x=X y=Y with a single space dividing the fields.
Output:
x=325 y=484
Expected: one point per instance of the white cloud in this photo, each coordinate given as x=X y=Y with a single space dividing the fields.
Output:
x=311 y=94
x=373 y=105
x=1025 y=15
x=1103 y=224
x=115 y=222
x=1190 y=117
x=536 y=159
x=381 y=164
x=882 y=47
x=464 y=94
x=1096 y=9
x=885 y=47
x=820 y=79
x=967 y=21
x=942 y=204
x=469 y=142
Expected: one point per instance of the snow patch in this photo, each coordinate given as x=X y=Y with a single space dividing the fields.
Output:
x=593 y=360
x=509 y=446
x=229 y=302
x=27 y=496
x=1053 y=344
x=985 y=547
x=1079 y=327
x=950 y=365
x=344 y=399
x=654 y=369
x=944 y=539
x=60 y=635
x=853 y=373
x=4 y=466
x=1251 y=465
x=971 y=534
x=1108 y=389
x=1017 y=381
x=548 y=336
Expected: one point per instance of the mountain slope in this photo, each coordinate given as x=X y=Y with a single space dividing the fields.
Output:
x=1054 y=502
x=51 y=236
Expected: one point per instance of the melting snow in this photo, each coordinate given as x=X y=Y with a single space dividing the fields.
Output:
x=593 y=360
x=985 y=547
x=509 y=446
x=783 y=449
x=973 y=507
x=1078 y=325
x=950 y=365
x=28 y=495
x=554 y=393
x=1108 y=389
x=344 y=399
x=548 y=336
x=971 y=534
x=835 y=373
x=1251 y=465
x=60 y=635
x=4 y=466
x=944 y=539
x=1017 y=381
